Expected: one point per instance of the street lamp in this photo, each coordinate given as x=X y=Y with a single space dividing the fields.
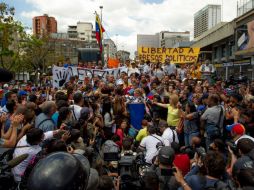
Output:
x=101 y=7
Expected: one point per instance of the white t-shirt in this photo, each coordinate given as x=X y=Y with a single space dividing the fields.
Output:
x=149 y=143
x=31 y=150
x=133 y=70
x=244 y=137
x=76 y=111
x=168 y=137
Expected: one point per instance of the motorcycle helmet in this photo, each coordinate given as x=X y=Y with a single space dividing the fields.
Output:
x=59 y=171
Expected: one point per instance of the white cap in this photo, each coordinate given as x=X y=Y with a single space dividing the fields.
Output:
x=6 y=85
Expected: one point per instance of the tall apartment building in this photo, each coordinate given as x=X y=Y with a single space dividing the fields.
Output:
x=171 y=39
x=82 y=31
x=44 y=25
x=243 y=6
x=206 y=18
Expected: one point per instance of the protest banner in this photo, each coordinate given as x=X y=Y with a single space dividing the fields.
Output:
x=62 y=75
x=175 y=55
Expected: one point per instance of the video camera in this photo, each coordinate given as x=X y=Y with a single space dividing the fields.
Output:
x=128 y=167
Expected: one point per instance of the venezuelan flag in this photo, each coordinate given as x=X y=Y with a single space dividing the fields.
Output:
x=99 y=31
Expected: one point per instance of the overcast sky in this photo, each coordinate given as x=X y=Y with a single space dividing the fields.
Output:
x=122 y=19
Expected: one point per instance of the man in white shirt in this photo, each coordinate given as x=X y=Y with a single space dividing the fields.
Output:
x=78 y=103
x=169 y=135
x=133 y=69
x=151 y=144
x=146 y=68
x=206 y=70
x=29 y=144
x=169 y=68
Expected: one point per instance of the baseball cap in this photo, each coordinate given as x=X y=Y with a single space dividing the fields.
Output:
x=166 y=155
x=6 y=85
x=237 y=128
x=22 y=93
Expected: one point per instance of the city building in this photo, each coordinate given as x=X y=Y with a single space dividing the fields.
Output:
x=110 y=48
x=171 y=39
x=148 y=40
x=44 y=25
x=231 y=46
x=123 y=55
x=82 y=31
x=65 y=47
x=243 y=6
x=206 y=18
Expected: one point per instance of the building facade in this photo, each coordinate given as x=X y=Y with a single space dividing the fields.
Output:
x=243 y=6
x=123 y=55
x=206 y=18
x=82 y=31
x=231 y=45
x=110 y=48
x=44 y=25
x=171 y=39
x=148 y=40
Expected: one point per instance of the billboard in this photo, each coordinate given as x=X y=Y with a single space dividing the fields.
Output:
x=245 y=36
x=175 y=55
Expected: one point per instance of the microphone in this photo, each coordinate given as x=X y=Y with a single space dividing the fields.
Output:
x=14 y=162
x=5 y=75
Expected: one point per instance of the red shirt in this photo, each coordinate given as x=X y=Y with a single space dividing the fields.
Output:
x=182 y=161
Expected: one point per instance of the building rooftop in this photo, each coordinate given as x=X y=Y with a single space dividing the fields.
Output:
x=206 y=7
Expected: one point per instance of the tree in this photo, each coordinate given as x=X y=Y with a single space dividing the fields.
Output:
x=11 y=37
x=36 y=52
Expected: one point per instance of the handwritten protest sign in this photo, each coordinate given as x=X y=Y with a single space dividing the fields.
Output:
x=175 y=55
x=62 y=75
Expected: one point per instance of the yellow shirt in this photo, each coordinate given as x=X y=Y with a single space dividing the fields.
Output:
x=173 y=116
x=141 y=134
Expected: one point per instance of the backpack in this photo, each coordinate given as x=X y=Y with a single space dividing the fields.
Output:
x=160 y=144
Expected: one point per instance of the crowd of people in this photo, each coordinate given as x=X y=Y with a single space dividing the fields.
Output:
x=197 y=131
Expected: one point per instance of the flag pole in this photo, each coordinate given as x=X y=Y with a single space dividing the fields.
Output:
x=102 y=48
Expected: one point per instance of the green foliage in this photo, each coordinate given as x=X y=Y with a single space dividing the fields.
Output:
x=11 y=37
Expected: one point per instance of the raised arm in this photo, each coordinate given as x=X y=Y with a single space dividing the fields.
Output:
x=161 y=105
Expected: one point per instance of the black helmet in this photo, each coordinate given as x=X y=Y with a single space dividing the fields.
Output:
x=60 y=171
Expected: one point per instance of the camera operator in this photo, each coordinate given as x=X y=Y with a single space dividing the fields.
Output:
x=163 y=167
x=150 y=144
x=127 y=147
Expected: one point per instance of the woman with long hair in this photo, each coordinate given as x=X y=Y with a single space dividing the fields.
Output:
x=107 y=117
x=119 y=110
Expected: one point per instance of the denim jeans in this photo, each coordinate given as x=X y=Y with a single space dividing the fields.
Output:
x=188 y=137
